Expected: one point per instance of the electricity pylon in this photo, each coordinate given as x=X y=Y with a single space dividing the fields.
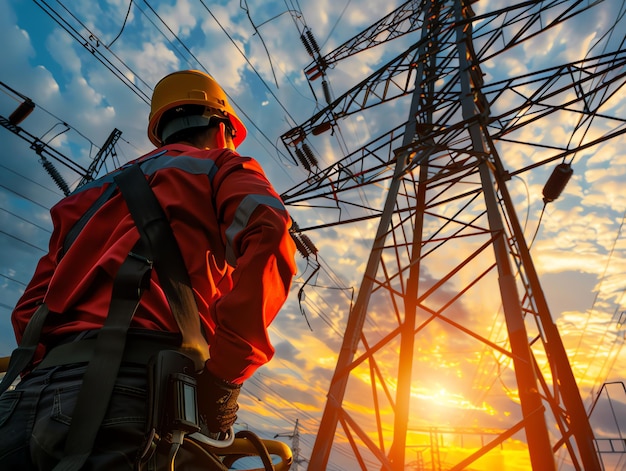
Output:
x=449 y=250
x=295 y=445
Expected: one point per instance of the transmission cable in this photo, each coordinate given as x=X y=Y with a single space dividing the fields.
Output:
x=263 y=386
x=87 y=44
x=17 y=216
x=6 y=306
x=600 y=286
x=21 y=195
x=92 y=35
x=51 y=190
x=592 y=114
x=39 y=106
x=171 y=32
x=130 y=4
x=23 y=241
x=256 y=31
x=332 y=30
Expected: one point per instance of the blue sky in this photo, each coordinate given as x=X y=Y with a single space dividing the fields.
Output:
x=579 y=250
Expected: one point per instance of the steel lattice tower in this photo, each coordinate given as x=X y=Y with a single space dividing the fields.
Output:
x=448 y=233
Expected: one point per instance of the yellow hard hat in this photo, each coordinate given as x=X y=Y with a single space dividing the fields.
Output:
x=191 y=87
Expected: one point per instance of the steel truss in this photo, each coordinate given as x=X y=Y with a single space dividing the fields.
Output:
x=448 y=232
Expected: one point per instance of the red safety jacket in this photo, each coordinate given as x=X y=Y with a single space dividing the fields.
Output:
x=233 y=232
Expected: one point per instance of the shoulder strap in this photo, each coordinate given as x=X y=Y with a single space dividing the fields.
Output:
x=156 y=231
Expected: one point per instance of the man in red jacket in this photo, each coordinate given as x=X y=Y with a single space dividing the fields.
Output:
x=233 y=233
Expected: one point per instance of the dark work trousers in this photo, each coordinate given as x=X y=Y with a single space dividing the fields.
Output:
x=35 y=418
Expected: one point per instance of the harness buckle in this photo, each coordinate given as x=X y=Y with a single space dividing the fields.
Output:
x=141 y=258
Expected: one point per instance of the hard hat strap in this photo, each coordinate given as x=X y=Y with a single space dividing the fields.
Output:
x=184 y=122
x=193 y=121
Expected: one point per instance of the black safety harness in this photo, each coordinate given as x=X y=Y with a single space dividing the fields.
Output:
x=156 y=248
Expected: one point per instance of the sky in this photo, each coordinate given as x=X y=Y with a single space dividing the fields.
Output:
x=98 y=77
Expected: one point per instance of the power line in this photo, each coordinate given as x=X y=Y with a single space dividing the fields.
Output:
x=92 y=44
x=257 y=32
x=5 y=88
x=130 y=4
x=23 y=241
x=23 y=196
x=30 y=180
x=17 y=216
x=6 y=306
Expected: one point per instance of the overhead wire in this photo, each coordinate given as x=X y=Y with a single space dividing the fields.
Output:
x=178 y=39
x=257 y=32
x=598 y=350
x=94 y=49
x=588 y=118
x=23 y=196
x=19 y=239
x=293 y=7
x=599 y=344
x=182 y=44
x=339 y=18
x=98 y=43
x=130 y=4
x=262 y=386
x=318 y=308
x=17 y=216
x=342 y=143
x=53 y=190
x=6 y=306
x=4 y=87
x=338 y=134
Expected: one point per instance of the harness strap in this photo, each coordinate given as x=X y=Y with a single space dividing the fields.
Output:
x=102 y=370
x=22 y=356
x=154 y=227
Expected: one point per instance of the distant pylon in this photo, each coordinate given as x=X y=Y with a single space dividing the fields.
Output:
x=295 y=445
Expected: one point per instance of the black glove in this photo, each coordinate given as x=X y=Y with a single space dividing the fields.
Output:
x=217 y=402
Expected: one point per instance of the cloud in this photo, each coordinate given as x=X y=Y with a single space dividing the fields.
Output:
x=181 y=18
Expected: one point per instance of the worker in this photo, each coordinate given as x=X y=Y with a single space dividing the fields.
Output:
x=233 y=234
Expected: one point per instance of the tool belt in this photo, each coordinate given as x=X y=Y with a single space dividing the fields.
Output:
x=141 y=346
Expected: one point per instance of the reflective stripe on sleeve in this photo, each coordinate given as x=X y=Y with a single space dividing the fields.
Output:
x=242 y=215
